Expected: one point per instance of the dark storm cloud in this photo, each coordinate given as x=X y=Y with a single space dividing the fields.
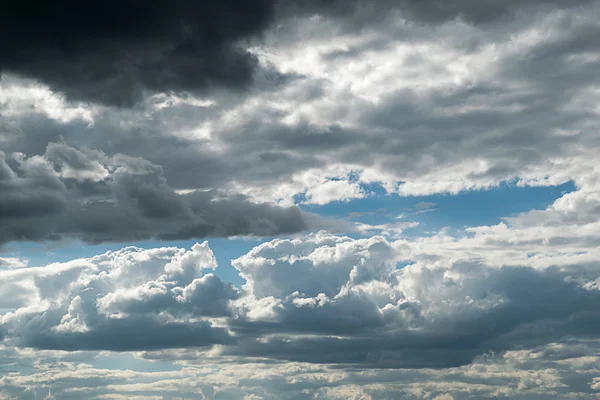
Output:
x=405 y=127
x=114 y=51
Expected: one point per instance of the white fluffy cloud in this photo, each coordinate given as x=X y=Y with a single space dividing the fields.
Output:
x=336 y=299
x=124 y=300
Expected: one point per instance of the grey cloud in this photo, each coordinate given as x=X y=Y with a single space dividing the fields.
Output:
x=74 y=164
x=117 y=53
x=519 y=375
x=513 y=114
x=207 y=296
x=349 y=316
x=478 y=96
x=113 y=52
x=511 y=327
x=130 y=335
x=405 y=130
x=133 y=202
x=504 y=121
x=534 y=315
x=361 y=14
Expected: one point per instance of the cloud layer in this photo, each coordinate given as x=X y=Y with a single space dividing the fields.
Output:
x=427 y=100
x=127 y=300
x=560 y=371
x=323 y=298
x=117 y=53
x=451 y=315
x=193 y=120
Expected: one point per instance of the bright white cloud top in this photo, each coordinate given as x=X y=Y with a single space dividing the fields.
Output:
x=128 y=158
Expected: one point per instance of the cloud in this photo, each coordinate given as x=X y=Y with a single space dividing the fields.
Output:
x=114 y=53
x=427 y=302
x=356 y=307
x=84 y=194
x=106 y=135
x=322 y=298
x=517 y=375
x=440 y=114
x=98 y=55
x=132 y=334
x=12 y=262
x=132 y=299
x=425 y=205
x=452 y=315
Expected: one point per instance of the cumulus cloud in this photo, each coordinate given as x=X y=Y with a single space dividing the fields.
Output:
x=356 y=306
x=514 y=303
x=432 y=302
x=132 y=299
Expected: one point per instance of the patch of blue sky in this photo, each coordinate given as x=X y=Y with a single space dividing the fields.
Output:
x=434 y=212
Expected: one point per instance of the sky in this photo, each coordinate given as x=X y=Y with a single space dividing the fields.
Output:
x=319 y=199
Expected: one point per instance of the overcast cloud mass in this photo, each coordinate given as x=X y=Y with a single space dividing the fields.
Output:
x=139 y=136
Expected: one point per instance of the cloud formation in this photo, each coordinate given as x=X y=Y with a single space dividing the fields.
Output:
x=69 y=193
x=132 y=299
x=117 y=52
x=355 y=306
x=229 y=119
x=442 y=114
x=451 y=314
x=561 y=371
x=322 y=298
